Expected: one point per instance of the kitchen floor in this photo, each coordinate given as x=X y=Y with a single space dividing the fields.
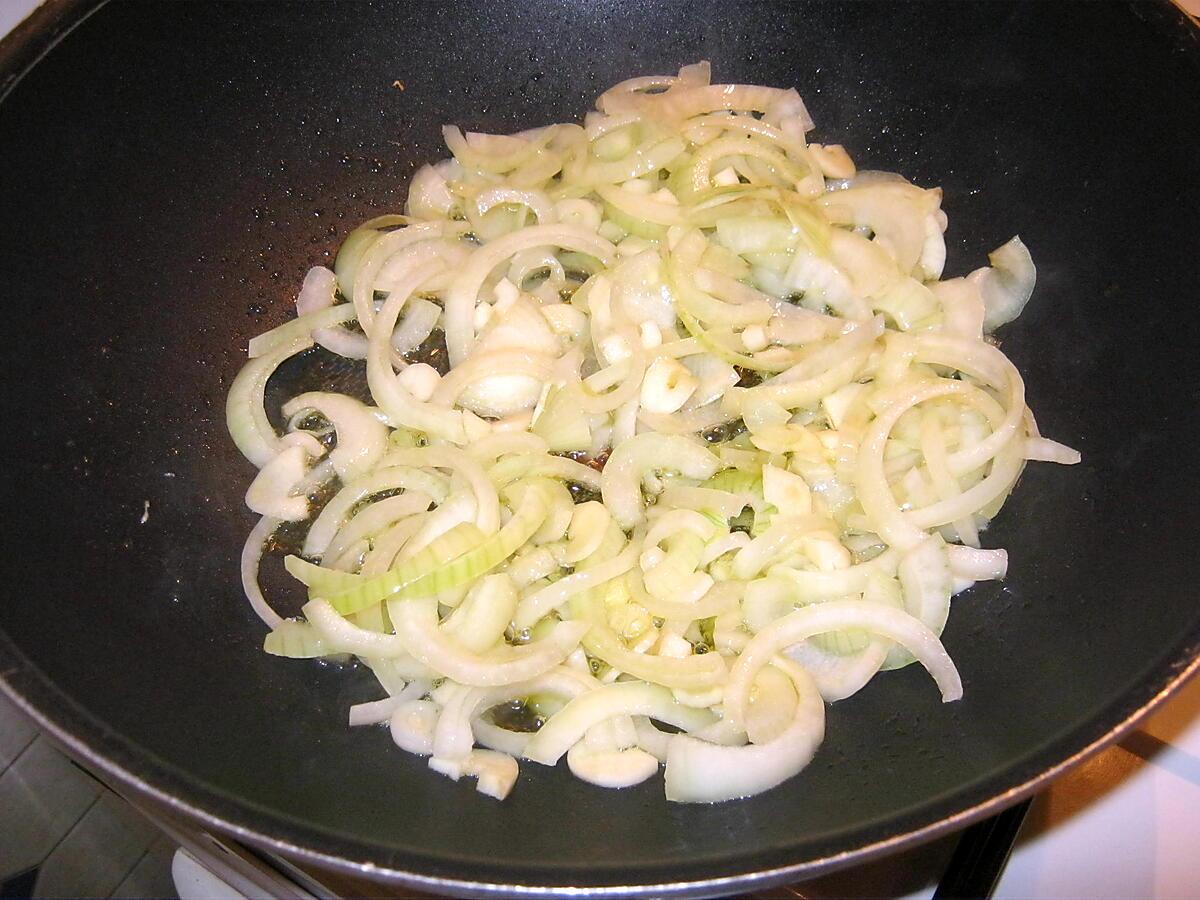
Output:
x=63 y=833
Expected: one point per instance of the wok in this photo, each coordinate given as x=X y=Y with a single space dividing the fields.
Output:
x=171 y=170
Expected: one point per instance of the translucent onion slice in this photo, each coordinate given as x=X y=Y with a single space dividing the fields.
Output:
x=700 y=772
x=840 y=676
x=245 y=416
x=461 y=297
x=380 y=480
x=376 y=517
x=620 y=481
x=252 y=553
x=296 y=640
x=567 y=726
x=838 y=615
x=1007 y=286
x=463 y=706
x=417 y=629
x=352 y=593
x=361 y=437
x=544 y=601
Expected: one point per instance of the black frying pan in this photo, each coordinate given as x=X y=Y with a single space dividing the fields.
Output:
x=170 y=171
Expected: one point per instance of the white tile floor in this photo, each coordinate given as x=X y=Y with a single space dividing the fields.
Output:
x=62 y=833
x=16 y=733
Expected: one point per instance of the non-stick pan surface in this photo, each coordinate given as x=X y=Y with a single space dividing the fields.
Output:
x=169 y=171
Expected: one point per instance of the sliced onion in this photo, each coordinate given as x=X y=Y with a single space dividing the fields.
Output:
x=700 y=772
x=838 y=615
x=1007 y=286
x=547 y=599
x=416 y=627
x=567 y=727
x=460 y=299
x=361 y=437
x=714 y=246
x=334 y=513
x=316 y=292
x=251 y=555
x=620 y=482
x=977 y=565
x=382 y=710
x=611 y=768
x=245 y=416
x=417 y=324
x=840 y=676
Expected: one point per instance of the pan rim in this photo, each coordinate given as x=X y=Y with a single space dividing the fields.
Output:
x=145 y=776
x=83 y=738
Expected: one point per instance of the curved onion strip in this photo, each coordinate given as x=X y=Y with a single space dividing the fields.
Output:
x=375 y=518
x=619 y=483
x=382 y=710
x=642 y=161
x=361 y=437
x=299 y=330
x=479 y=622
x=689 y=422
x=524 y=465
x=487 y=501
x=251 y=554
x=793 y=145
x=327 y=524
x=849 y=354
x=400 y=406
x=350 y=593
x=486 y=365
x=538 y=203
x=377 y=254
x=416 y=326
x=460 y=298
x=813 y=585
x=386 y=547
x=627 y=375
x=986 y=363
x=416 y=628
x=691 y=673
x=245 y=416
x=495 y=153
x=453 y=736
x=838 y=615
x=838 y=677
x=640 y=206
x=687 y=103
x=700 y=772
x=552 y=596
x=567 y=726
x=720 y=598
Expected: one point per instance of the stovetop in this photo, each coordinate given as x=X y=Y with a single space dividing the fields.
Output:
x=1124 y=824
